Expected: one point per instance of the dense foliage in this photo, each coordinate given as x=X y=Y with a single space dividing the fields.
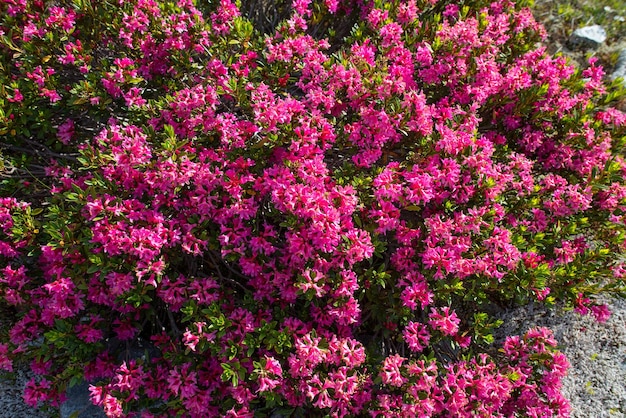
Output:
x=274 y=215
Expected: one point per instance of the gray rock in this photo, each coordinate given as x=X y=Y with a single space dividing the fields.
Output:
x=78 y=404
x=620 y=67
x=588 y=37
x=597 y=353
x=11 y=402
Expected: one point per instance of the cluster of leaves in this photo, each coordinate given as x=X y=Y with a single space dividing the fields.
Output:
x=286 y=219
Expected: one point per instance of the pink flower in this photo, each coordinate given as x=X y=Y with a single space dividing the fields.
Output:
x=308 y=355
x=415 y=293
x=407 y=12
x=416 y=336
x=61 y=17
x=190 y=340
x=124 y=329
x=183 y=382
x=5 y=361
x=444 y=321
x=376 y=17
x=88 y=334
x=452 y=10
x=66 y=131
x=390 y=372
x=133 y=97
x=41 y=391
x=64 y=301
x=390 y=35
x=332 y=5
x=50 y=94
x=100 y=396
x=222 y=19
x=41 y=367
x=601 y=313
x=17 y=96
x=243 y=412
x=267 y=384
x=345 y=313
x=119 y=283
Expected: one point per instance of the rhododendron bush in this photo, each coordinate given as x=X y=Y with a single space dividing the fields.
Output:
x=212 y=215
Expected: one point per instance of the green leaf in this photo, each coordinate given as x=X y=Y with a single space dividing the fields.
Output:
x=93 y=269
x=80 y=101
x=75 y=380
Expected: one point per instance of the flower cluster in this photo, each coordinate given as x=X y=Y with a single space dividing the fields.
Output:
x=234 y=223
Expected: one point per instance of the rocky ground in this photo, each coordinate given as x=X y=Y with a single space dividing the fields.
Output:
x=597 y=353
x=581 y=29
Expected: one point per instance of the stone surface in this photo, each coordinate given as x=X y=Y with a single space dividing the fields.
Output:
x=597 y=354
x=78 y=402
x=11 y=402
x=620 y=67
x=588 y=37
